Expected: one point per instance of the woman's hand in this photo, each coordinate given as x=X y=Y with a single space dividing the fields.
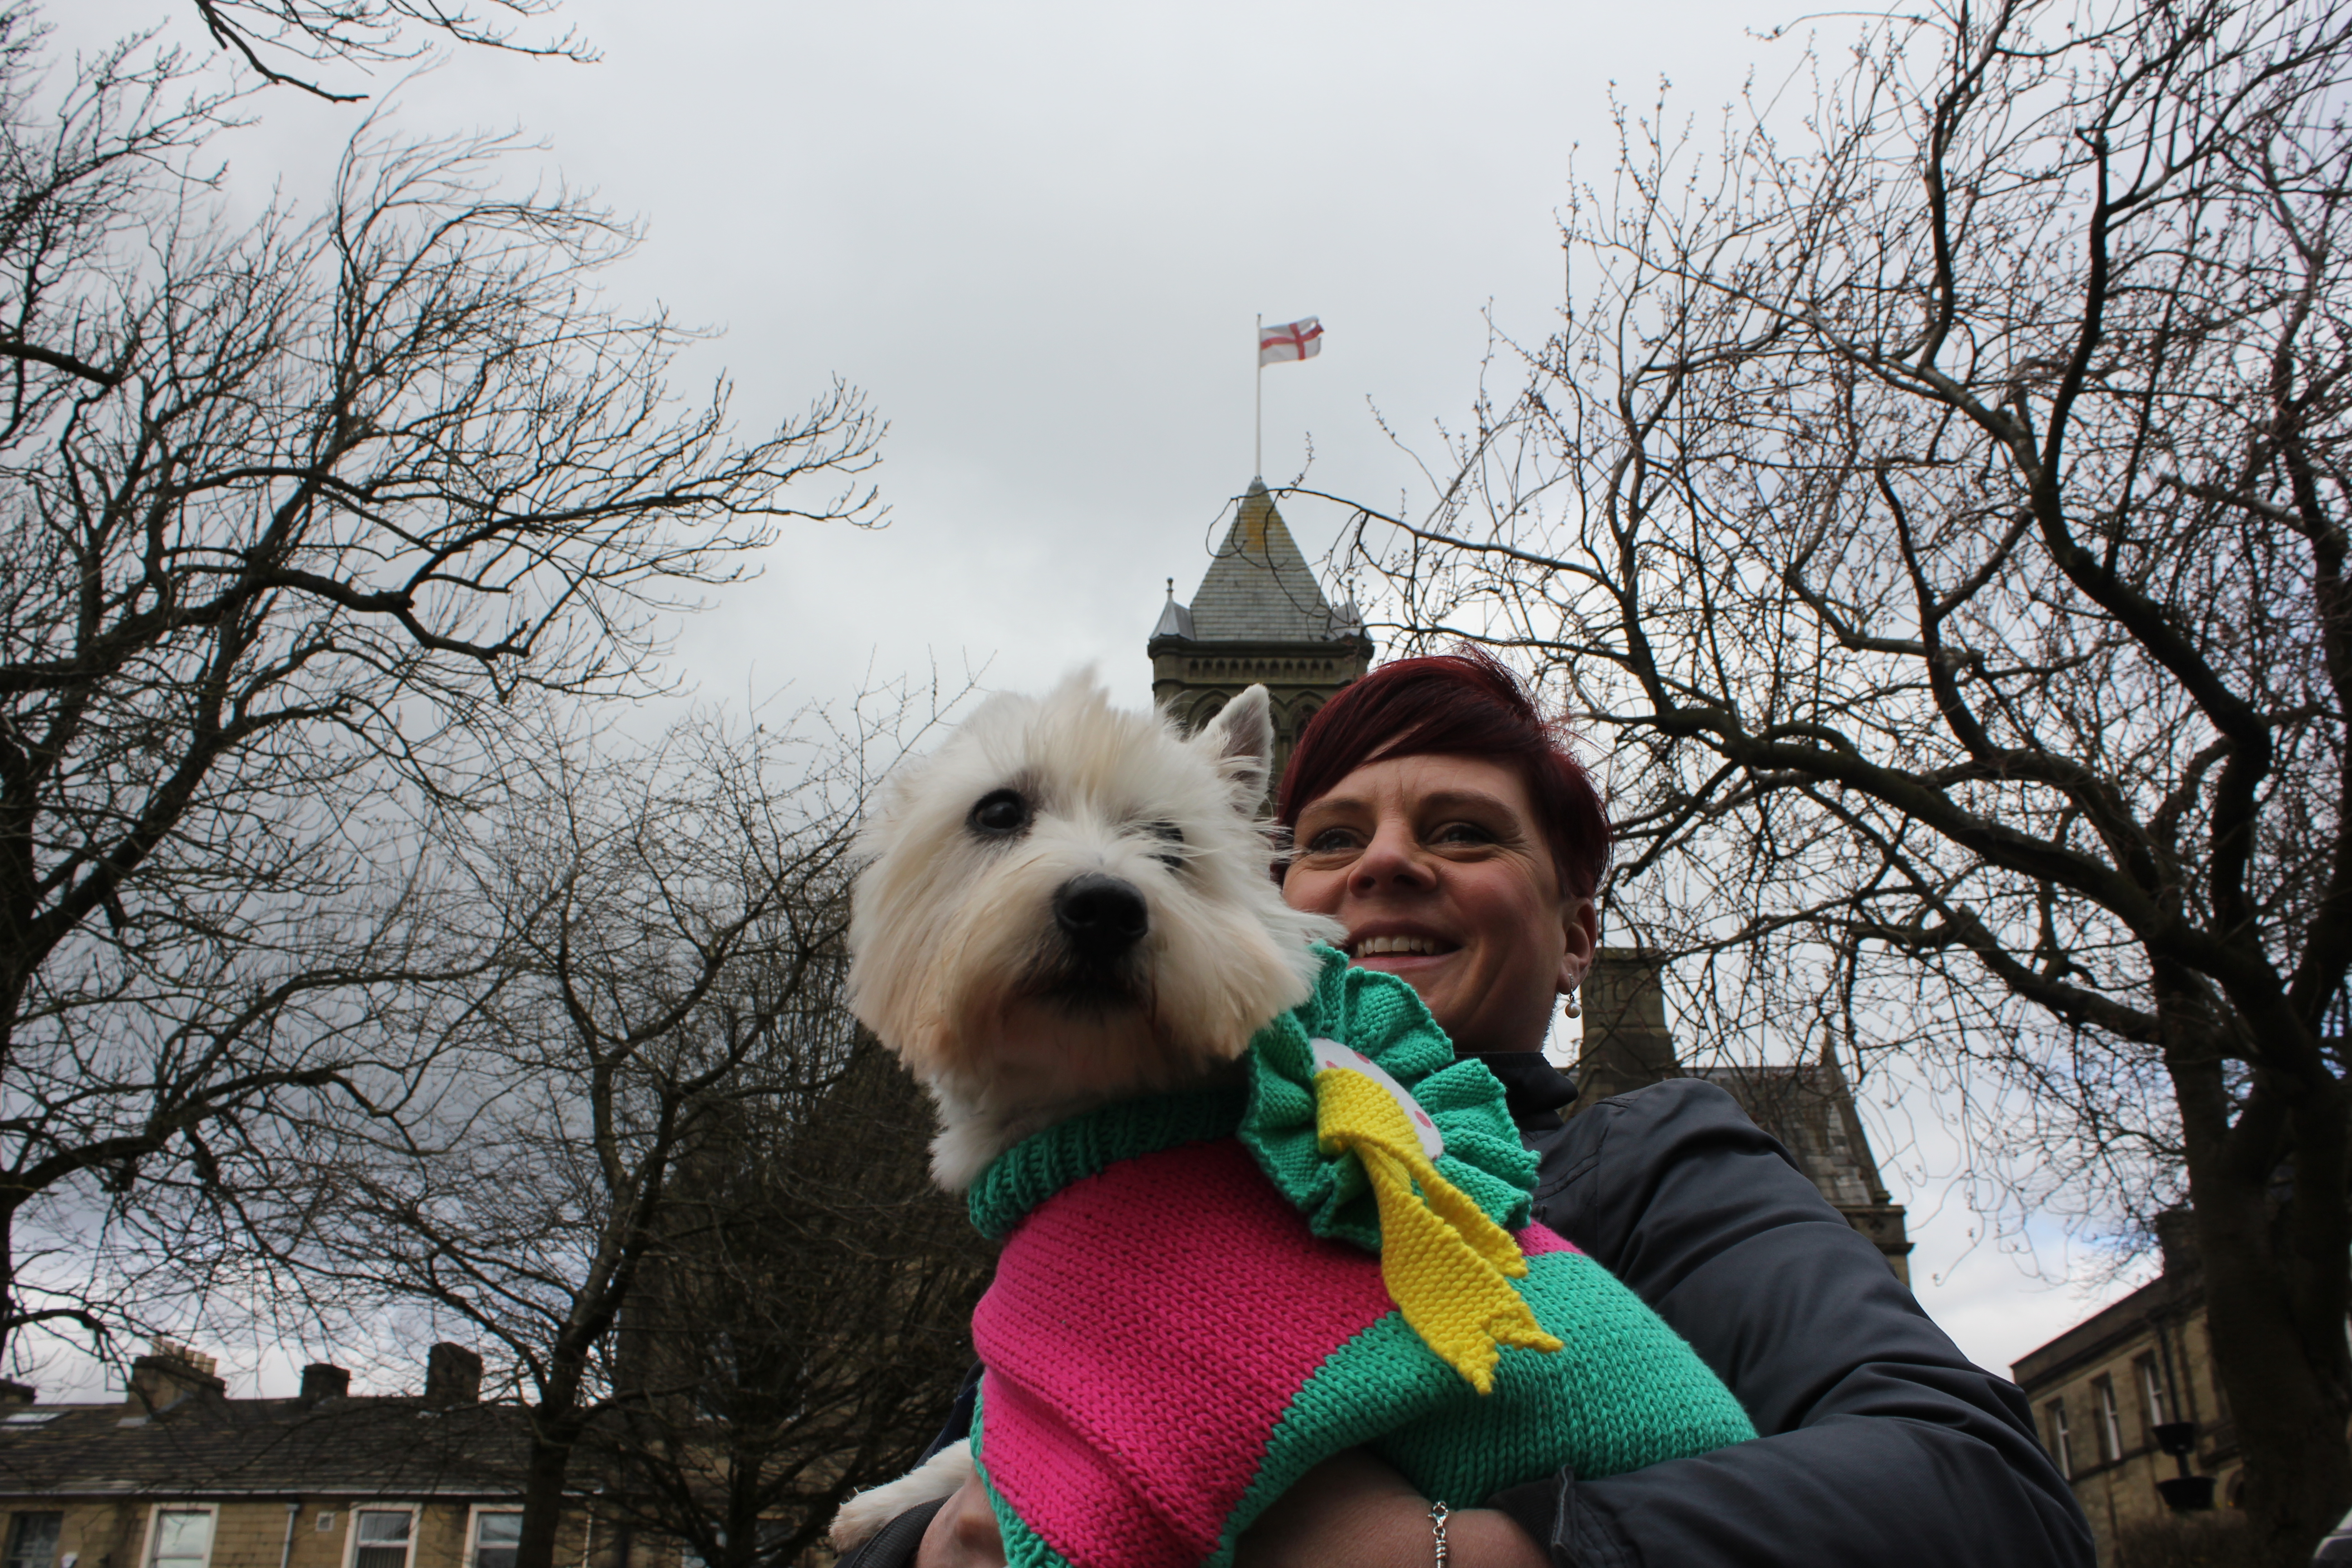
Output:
x=964 y=1533
x=1353 y=1512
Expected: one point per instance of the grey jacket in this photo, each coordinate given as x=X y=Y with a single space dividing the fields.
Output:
x=1881 y=1444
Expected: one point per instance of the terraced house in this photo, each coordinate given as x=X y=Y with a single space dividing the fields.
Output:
x=178 y=1475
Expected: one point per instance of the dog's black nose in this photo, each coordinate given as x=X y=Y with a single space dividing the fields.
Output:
x=1102 y=916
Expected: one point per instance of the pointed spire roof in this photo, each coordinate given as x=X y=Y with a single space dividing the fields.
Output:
x=1259 y=587
x=1175 y=619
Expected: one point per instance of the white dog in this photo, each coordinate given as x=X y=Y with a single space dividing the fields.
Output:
x=1068 y=905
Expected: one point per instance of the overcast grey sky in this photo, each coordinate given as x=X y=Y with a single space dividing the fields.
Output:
x=1036 y=234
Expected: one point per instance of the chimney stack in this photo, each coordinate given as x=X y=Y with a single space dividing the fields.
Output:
x=169 y=1372
x=2175 y=1239
x=453 y=1376
x=1626 y=1043
x=322 y=1380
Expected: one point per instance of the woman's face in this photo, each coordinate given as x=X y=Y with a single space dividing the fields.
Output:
x=1437 y=868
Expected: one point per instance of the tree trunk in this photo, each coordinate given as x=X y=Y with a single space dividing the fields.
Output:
x=8 y=1307
x=552 y=1443
x=2276 y=1322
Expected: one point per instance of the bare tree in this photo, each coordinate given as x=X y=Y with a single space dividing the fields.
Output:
x=671 y=958
x=298 y=513
x=805 y=1320
x=1942 y=511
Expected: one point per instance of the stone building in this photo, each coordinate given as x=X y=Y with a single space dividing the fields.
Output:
x=1807 y=1107
x=1259 y=619
x=2128 y=1405
x=178 y=1475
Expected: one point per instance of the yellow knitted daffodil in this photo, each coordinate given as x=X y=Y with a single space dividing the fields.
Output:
x=1447 y=1267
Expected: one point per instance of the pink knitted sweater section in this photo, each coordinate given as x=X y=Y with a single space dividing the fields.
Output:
x=1101 y=1430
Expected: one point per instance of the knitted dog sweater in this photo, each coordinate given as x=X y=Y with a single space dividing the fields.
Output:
x=1192 y=1308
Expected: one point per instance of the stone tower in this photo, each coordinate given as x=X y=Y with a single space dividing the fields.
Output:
x=1807 y=1107
x=1260 y=618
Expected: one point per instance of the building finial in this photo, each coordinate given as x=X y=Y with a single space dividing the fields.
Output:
x=1172 y=590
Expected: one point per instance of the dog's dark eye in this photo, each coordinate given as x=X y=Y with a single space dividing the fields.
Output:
x=1171 y=834
x=1000 y=813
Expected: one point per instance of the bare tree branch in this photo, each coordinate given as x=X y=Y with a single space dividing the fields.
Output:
x=1944 y=518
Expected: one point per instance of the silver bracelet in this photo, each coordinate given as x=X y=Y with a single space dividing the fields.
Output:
x=1438 y=1514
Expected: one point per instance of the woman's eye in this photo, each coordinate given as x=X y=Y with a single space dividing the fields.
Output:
x=1000 y=813
x=1331 y=841
x=1462 y=833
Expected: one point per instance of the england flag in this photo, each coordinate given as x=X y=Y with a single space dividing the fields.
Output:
x=1301 y=339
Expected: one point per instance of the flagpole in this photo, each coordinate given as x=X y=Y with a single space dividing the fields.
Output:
x=1257 y=357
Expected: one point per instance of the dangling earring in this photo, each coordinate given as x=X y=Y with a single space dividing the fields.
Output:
x=1574 y=1009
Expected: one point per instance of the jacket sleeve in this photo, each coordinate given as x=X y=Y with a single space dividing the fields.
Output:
x=1880 y=1442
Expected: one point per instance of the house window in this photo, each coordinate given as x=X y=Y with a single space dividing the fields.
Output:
x=2062 y=1442
x=2111 y=1426
x=183 y=1538
x=2151 y=1395
x=33 y=1540
x=381 y=1537
x=497 y=1535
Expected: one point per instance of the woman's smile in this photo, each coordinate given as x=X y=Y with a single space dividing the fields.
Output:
x=1394 y=949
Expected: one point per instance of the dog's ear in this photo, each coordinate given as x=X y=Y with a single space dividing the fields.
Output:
x=1240 y=745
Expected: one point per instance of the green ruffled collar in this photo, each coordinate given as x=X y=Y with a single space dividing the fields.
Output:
x=1382 y=1016
x=1271 y=1110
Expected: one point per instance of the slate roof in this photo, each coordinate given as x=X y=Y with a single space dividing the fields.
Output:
x=1259 y=588
x=1175 y=619
x=2097 y=1334
x=374 y=1447
x=1811 y=1111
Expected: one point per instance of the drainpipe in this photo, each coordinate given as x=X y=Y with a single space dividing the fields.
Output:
x=293 y=1511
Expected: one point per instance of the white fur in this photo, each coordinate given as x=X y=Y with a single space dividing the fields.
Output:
x=941 y=1475
x=953 y=938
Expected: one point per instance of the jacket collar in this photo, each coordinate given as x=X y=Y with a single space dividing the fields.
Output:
x=1534 y=1088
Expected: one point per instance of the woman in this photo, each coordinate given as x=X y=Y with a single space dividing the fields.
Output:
x=1437 y=817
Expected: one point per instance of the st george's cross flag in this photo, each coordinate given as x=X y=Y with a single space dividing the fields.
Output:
x=1301 y=339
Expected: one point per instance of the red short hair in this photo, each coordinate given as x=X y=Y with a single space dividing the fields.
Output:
x=1463 y=704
